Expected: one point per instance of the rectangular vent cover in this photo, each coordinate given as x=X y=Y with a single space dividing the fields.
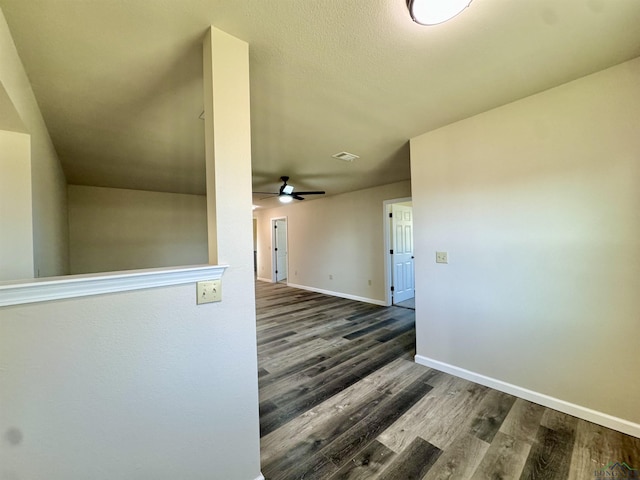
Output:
x=345 y=156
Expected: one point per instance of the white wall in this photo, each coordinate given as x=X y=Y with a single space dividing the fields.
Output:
x=538 y=205
x=50 y=233
x=341 y=235
x=117 y=229
x=142 y=384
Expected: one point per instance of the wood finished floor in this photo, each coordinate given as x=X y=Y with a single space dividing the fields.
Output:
x=341 y=398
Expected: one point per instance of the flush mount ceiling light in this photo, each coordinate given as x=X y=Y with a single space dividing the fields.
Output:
x=433 y=12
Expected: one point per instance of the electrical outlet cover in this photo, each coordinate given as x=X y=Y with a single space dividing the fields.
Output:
x=209 y=291
x=442 y=257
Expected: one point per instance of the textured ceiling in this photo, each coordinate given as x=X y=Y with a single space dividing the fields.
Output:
x=120 y=82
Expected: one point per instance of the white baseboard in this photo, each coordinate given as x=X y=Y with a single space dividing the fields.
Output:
x=264 y=279
x=261 y=477
x=579 y=411
x=339 y=294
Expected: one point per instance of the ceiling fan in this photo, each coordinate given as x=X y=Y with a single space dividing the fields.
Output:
x=286 y=193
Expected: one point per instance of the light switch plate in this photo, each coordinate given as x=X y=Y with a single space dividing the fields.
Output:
x=442 y=257
x=209 y=291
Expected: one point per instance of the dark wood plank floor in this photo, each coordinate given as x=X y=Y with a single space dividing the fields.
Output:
x=341 y=398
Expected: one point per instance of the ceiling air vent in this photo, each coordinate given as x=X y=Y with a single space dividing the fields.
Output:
x=345 y=156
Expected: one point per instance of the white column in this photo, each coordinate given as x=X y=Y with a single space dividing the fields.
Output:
x=16 y=216
x=228 y=148
x=230 y=218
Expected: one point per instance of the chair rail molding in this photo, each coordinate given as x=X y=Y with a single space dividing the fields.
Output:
x=71 y=286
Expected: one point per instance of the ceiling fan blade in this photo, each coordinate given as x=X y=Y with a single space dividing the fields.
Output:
x=311 y=193
x=287 y=190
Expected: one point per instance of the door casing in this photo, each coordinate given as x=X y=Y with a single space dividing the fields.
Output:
x=386 y=210
x=275 y=248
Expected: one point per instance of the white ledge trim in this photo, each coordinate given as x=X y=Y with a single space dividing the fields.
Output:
x=71 y=286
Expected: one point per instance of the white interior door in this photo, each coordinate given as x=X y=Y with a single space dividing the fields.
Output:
x=402 y=256
x=280 y=248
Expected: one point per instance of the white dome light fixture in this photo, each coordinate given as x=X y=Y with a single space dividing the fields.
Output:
x=285 y=198
x=433 y=12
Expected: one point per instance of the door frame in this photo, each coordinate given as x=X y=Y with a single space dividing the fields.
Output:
x=386 y=210
x=274 y=254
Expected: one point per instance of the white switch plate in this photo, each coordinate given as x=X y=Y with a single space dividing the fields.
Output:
x=442 y=257
x=209 y=291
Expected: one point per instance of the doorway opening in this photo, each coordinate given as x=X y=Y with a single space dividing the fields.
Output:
x=255 y=246
x=399 y=265
x=280 y=250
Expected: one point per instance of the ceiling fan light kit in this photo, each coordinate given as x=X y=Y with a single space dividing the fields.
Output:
x=434 y=12
x=286 y=193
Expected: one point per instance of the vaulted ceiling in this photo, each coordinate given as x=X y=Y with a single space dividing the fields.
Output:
x=120 y=87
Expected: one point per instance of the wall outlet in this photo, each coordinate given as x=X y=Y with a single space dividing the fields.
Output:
x=330 y=277
x=442 y=257
x=209 y=291
x=369 y=282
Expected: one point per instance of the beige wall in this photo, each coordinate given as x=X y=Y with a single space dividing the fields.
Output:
x=49 y=195
x=142 y=384
x=16 y=230
x=116 y=229
x=341 y=236
x=538 y=205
